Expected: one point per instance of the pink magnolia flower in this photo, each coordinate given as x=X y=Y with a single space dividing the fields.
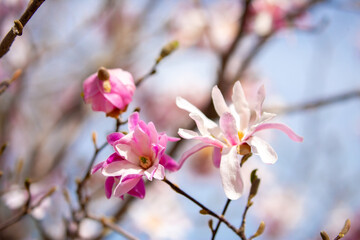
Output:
x=109 y=91
x=235 y=135
x=139 y=153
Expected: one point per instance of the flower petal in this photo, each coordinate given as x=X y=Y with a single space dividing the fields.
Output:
x=169 y=163
x=241 y=105
x=188 y=134
x=121 y=168
x=191 y=151
x=124 y=147
x=138 y=190
x=217 y=156
x=185 y=105
x=113 y=137
x=280 y=126
x=126 y=186
x=228 y=126
x=159 y=173
x=230 y=173
x=133 y=121
x=263 y=149
x=109 y=183
x=219 y=101
x=96 y=167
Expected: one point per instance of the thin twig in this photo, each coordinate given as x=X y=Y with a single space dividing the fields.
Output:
x=243 y=221
x=316 y=104
x=6 y=83
x=83 y=181
x=207 y=210
x=109 y=224
x=27 y=208
x=17 y=29
x=219 y=222
x=165 y=51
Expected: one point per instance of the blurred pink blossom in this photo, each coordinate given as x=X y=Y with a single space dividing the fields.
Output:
x=268 y=15
x=235 y=135
x=109 y=91
x=139 y=153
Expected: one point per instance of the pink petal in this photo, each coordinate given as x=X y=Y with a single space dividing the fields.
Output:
x=113 y=137
x=263 y=149
x=138 y=190
x=133 y=121
x=217 y=156
x=169 y=163
x=173 y=139
x=109 y=183
x=282 y=127
x=191 y=151
x=126 y=186
x=96 y=167
x=100 y=103
x=124 y=147
x=219 y=101
x=142 y=142
x=90 y=87
x=230 y=173
x=228 y=126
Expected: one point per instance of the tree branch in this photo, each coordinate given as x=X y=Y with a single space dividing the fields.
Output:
x=206 y=210
x=17 y=29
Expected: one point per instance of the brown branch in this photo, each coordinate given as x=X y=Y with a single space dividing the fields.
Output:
x=219 y=222
x=316 y=104
x=221 y=82
x=27 y=208
x=206 y=210
x=17 y=29
x=109 y=224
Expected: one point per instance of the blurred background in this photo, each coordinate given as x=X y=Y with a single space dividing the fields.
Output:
x=305 y=52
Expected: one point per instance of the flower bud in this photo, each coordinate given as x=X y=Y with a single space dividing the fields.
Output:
x=109 y=91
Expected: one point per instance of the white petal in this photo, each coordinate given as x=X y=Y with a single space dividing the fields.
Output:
x=159 y=173
x=263 y=149
x=219 y=101
x=187 y=134
x=230 y=173
x=121 y=168
x=241 y=105
x=200 y=124
x=185 y=105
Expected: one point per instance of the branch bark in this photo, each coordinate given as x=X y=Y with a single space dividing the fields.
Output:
x=19 y=24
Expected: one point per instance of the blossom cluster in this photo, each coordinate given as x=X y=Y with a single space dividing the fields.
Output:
x=141 y=152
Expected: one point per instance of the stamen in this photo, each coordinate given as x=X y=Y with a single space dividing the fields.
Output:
x=145 y=162
x=240 y=135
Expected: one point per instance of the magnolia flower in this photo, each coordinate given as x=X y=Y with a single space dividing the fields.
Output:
x=139 y=153
x=235 y=135
x=109 y=91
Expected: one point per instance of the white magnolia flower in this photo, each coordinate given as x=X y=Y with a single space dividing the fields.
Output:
x=233 y=136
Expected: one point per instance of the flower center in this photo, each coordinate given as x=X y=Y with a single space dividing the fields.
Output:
x=145 y=162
